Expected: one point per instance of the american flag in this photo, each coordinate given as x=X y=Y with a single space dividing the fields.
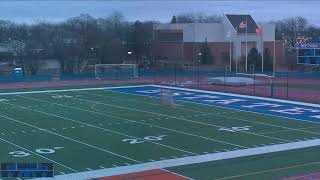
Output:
x=242 y=25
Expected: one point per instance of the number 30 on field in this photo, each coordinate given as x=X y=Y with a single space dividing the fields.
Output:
x=145 y=139
x=39 y=151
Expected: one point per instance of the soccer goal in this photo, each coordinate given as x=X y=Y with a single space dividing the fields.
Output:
x=166 y=97
x=116 y=71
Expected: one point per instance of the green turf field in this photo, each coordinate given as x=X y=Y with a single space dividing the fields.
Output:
x=88 y=130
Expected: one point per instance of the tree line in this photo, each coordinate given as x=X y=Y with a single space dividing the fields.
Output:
x=108 y=40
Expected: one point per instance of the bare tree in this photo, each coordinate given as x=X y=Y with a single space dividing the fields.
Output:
x=198 y=17
x=291 y=29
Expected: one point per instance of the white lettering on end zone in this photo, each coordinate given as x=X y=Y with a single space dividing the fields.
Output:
x=254 y=105
x=202 y=96
x=295 y=111
x=225 y=101
x=151 y=91
x=318 y=116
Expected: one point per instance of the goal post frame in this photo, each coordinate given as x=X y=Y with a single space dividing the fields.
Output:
x=117 y=66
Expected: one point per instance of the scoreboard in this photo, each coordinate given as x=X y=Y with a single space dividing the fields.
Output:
x=308 y=53
x=26 y=170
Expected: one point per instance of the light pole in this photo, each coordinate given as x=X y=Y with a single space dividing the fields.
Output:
x=230 y=50
x=199 y=61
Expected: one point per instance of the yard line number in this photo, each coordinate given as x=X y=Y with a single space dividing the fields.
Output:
x=145 y=139
x=61 y=96
x=39 y=151
x=235 y=129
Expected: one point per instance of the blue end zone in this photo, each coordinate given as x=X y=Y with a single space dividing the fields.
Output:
x=266 y=106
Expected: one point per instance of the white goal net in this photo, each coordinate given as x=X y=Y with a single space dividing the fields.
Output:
x=166 y=97
x=116 y=71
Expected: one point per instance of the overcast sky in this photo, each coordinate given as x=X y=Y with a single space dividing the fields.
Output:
x=58 y=10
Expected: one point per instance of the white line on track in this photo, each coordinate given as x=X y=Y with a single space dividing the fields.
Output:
x=176 y=174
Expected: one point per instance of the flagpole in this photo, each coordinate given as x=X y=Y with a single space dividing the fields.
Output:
x=274 y=56
x=230 y=54
x=230 y=50
x=240 y=48
x=262 y=50
x=246 y=44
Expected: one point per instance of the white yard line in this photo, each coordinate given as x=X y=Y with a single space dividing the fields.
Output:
x=169 y=87
x=213 y=114
x=68 y=138
x=137 y=122
x=242 y=110
x=179 y=118
x=104 y=129
x=187 y=160
x=53 y=161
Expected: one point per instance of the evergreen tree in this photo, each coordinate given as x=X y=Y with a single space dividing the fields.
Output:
x=173 y=20
x=267 y=60
x=254 y=57
x=206 y=55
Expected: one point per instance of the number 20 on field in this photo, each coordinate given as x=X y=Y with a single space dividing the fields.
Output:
x=145 y=139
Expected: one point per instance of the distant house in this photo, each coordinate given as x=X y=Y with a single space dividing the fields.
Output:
x=180 y=43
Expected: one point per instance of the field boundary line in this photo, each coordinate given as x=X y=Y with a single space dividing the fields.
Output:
x=189 y=160
x=94 y=126
x=238 y=95
x=161 y=86
x=213 y=114
x=179 y=118
x=64 y=90
x=117 y=117
x=241 y=110
x=71 y=139
x=16 y=145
